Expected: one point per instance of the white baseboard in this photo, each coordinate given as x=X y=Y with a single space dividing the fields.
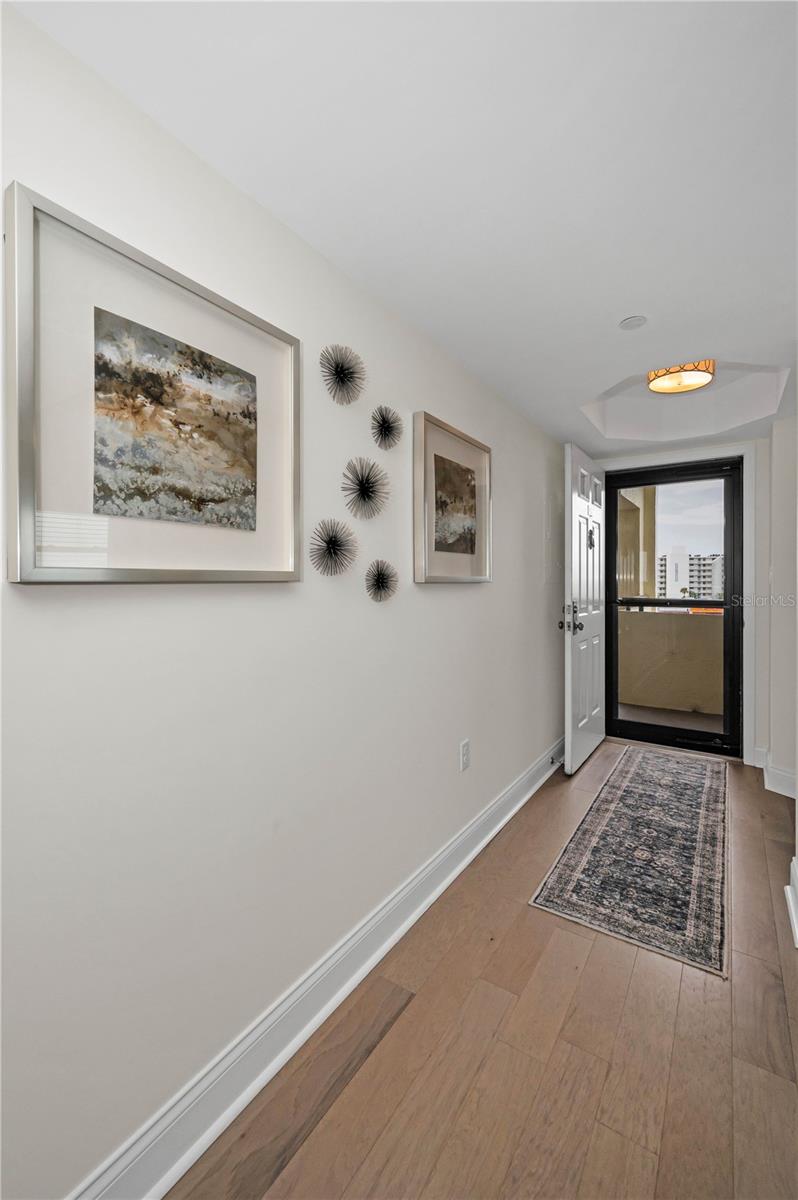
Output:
x=779 y=780
x=791 y=892
x=152 y=1161
x=759 y=758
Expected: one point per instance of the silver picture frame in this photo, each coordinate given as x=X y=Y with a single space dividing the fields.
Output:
x=21 y=208
x=424 y=503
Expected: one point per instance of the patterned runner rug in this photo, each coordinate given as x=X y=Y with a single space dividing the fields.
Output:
x=648 y=860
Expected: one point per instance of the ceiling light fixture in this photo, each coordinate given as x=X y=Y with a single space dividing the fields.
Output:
x=632 y=322
x=685 y=377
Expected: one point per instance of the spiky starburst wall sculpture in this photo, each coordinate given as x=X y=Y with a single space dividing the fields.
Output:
x=386 y=427
x=382 y=580
x=332 y=547
x=365 y=486
x=343 y=372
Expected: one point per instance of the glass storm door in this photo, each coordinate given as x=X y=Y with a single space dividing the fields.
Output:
x=674 y=627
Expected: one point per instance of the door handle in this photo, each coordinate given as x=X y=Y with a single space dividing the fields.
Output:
x=578 y=626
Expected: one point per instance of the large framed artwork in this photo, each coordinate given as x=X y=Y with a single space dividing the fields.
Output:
x=452 y=504
x=153 y=426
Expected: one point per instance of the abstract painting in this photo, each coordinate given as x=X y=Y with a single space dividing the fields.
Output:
x=455 y=507
x=175 y=433
x=452 y=508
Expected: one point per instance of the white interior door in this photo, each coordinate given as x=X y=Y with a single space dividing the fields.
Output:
x=583 y=610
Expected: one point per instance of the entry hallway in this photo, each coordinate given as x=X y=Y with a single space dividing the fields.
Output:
x=499 y=1051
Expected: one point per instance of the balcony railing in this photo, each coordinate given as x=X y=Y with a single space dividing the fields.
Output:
x=671 y=659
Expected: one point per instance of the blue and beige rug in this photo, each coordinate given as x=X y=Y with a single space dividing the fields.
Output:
x=648 y=860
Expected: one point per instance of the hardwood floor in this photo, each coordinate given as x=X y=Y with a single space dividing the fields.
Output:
x=696 y=1149
x=501 y=1051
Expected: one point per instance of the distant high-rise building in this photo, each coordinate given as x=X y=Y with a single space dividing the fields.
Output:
x=683 y=576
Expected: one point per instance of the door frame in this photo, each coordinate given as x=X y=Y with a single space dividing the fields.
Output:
x=752 y=754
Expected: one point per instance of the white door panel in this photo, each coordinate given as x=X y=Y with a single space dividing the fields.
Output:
x=596 y=676
x=582 y=673
x=583 y=611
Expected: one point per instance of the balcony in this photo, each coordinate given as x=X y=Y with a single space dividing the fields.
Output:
x=670 y=661
x=670 y=667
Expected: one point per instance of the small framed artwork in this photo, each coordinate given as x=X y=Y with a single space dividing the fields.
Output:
x=452 y=504
x=153 y=425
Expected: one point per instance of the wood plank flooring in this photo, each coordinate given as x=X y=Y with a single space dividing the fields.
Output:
x=253 y=1151
x=501 y=1051
x=696 y=1148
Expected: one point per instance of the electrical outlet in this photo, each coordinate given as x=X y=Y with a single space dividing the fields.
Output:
x=465 y=754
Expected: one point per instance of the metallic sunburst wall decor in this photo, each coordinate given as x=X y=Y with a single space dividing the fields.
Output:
x=382 y=580
x=332 y=547
x=343 y=372
x=386 y=427
x=365 y=487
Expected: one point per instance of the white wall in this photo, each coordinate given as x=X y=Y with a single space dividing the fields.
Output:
x=208 y=786
x=782 y=586
x=760 y=614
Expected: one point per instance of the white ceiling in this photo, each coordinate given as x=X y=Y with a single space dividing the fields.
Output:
x=512 y=178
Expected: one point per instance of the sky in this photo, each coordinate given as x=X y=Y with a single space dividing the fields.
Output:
x=690 y=515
